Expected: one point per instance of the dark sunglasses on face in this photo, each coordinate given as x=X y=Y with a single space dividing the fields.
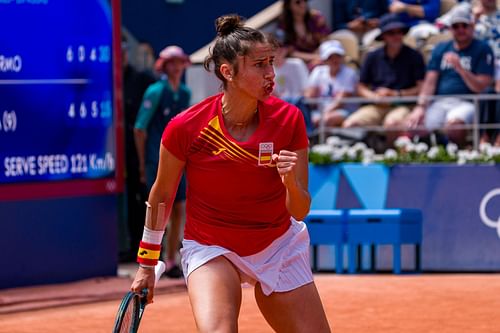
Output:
x=457 y=26
x=298 y=2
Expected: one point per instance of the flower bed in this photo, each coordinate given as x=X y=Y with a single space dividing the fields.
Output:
x=336 y=151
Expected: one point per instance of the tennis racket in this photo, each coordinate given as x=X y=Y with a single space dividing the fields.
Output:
x=133 y=305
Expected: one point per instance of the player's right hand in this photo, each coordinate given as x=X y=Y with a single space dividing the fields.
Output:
x=144 y=278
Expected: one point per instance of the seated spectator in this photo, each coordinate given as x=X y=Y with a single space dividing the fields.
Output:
x=290 y=78
x=290 y=73
x=418 y=15
x=487 y=28
x=333 y=79
x=304 y=29
x=358 y=16
x=463 y=65
x=393 y=70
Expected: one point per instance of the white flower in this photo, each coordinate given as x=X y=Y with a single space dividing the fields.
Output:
x=473 y=155
x=433 y=152
x=390 y=154
x=451 y=149
x=402 y=142
x=333 y=141
x=484 y=147
x=368 y=153
x=358 y=146
x=495 y=151
x=352 y=153
x=322 y=149
x=421 y=147
x=410 y=147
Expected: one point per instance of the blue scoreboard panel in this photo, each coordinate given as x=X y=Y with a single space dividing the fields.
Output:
x=58 y=125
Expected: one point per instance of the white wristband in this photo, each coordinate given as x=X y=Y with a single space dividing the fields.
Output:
x=152 y=236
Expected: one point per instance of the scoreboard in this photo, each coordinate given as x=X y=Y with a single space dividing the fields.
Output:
x=58 y=121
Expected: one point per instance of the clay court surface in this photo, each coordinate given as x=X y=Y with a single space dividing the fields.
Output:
x=372 y=303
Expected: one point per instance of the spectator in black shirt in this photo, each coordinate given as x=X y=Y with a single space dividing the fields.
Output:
x=393 y=70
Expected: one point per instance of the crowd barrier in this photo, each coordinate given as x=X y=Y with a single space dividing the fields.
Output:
x=323 y=131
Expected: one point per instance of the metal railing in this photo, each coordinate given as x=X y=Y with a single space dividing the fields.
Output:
x=323 y=130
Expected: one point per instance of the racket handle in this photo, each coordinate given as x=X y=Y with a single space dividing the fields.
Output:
x=159 y=270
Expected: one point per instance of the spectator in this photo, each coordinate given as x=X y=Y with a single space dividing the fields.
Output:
x=358 y=16
x=304 y=29
x=290 y=73
x=145 y=57
x=393 y=70
x=333 y=79
x=135 y=83
x=463 y=65
x=290 y=78
x=418 y=15
x=162 y=101
x=487 y=28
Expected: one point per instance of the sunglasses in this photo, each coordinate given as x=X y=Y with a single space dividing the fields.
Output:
x=457 y=26
x=298 y=2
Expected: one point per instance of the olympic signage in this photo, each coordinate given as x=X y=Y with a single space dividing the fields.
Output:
x=483 y=214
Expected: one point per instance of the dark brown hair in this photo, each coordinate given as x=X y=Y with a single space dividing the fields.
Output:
x=286 y=19
x=233 y=40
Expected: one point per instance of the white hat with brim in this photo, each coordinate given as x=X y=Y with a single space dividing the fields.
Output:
x=330 y=47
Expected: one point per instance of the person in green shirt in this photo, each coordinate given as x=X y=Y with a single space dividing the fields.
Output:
x=162 y=101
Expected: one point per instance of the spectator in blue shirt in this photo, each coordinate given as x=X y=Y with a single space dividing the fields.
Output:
x=463 y=65
x=412 y=12
x=358 y=16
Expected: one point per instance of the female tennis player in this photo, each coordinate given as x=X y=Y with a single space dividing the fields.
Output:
x=244 y=154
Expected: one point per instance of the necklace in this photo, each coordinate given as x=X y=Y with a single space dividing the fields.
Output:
x=225 y=113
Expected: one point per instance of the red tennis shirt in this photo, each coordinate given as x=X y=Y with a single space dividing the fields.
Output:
x=235 y=197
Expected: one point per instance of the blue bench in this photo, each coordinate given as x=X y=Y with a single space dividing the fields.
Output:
x=372 y=225
x=328 y=227
x=383 y=227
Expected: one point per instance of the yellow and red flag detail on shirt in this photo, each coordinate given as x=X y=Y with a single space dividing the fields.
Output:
x=265 y=153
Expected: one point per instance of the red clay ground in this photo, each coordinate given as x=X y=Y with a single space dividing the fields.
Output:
x=448 y=303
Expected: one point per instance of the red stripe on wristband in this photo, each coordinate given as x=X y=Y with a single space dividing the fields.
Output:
x=148 y=262
x=143 y=246
x=149 y=246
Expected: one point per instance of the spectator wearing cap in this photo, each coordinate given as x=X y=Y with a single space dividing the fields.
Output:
x=162 y=101
x=332 y=79
x=463 y=65
x=393 y=70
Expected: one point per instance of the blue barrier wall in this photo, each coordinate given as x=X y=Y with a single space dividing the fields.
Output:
x=455 y=235
x=58 y=240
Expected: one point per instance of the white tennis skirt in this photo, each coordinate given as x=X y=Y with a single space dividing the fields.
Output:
x=283 y=266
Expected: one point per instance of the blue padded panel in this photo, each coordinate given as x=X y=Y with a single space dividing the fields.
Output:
x=369 y=183
x=323 y=185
